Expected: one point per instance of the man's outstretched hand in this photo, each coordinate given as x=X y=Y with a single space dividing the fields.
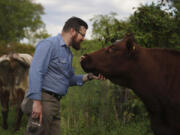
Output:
x=90 y=76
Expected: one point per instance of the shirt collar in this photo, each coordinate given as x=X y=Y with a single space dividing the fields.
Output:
x=61 y=40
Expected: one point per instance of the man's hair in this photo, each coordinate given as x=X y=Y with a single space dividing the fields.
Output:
x=75 y=23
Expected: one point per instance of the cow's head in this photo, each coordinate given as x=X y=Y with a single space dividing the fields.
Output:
x=114 y=60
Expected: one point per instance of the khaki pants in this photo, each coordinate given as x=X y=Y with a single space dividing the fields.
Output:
x=50 y=117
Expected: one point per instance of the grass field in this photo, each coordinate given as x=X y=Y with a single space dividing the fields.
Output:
x=132 y=128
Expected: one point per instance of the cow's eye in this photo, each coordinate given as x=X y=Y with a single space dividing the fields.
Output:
x=110 y=50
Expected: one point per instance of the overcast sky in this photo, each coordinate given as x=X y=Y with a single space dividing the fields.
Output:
x=58 y=11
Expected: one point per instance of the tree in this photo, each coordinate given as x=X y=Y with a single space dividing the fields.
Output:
x=107 y=28
x=19 y=17
x=152 y=26
x=155 y=26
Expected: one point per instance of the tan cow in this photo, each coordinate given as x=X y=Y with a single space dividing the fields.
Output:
x=13 y=83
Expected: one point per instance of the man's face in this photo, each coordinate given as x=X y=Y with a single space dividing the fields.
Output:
x=78 y=38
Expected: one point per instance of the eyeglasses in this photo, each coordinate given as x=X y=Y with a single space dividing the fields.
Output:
x=83 y=35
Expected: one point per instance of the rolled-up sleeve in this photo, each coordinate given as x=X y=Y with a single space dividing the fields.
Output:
x=38 y=69
x=76 y=79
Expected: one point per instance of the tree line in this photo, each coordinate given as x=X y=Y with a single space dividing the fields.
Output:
x=155 y=25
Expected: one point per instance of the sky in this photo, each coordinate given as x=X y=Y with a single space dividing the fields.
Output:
x=58 y=11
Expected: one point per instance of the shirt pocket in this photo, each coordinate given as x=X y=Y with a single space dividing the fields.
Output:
x=62 y=63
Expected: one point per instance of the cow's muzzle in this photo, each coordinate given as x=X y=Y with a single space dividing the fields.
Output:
x=86 y=63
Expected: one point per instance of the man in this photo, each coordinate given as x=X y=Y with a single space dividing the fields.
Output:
x=51 y=74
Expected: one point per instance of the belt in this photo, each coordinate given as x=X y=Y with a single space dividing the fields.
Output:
x=58 y=97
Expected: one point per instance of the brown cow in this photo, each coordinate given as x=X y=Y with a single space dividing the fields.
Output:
x=13 y=83
x=153 y=74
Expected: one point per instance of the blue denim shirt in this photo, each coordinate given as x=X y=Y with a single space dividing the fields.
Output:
x=51 y=68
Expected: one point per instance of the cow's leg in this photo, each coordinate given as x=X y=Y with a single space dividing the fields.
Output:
x=5 y=107
x=5 y=116
x=20 y=96
x=19 y=117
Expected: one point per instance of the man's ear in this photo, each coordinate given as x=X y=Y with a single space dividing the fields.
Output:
x=73 y=32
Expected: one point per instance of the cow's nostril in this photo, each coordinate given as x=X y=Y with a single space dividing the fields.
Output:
x=82 y=58
x=85 y=59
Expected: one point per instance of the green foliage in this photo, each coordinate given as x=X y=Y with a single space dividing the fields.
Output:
x=93 y=110
x=19 y=18
x=16 y=48
x=153 y=27
x=107 y=29
x=86 y=47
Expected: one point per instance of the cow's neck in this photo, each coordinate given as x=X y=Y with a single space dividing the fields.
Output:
x=155 y=69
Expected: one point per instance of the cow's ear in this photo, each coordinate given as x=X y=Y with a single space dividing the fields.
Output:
x=130 y=44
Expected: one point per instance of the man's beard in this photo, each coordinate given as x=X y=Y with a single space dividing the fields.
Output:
x=75 y=44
